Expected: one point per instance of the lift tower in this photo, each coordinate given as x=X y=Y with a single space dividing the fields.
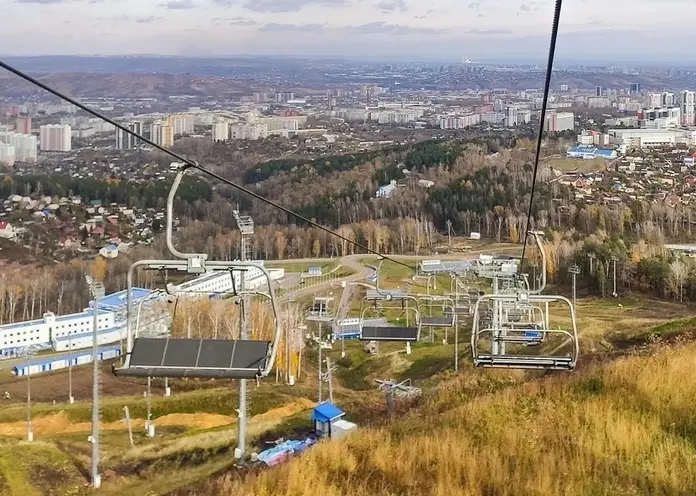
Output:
x=246 y=228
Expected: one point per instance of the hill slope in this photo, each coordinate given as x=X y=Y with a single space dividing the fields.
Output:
x=627 y=427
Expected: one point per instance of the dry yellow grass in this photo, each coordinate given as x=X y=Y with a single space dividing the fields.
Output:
x=626 y=428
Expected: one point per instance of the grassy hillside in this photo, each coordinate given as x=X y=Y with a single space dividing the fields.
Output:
x=626 y=427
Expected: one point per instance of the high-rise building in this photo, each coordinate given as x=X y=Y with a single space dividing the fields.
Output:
x=284 y=96
x=126 y=141
x=654 y=100
x=25 y=145
x=182 y=123
x=248 y=131
x=598 y=91
x=23 y=125
x=634 y=88
x=511 y=116
x=221 y=131
x=162 y=133
x=7 y=154
x=55 y=138
x=688 y=108
x=668 y=99
x=559 y=121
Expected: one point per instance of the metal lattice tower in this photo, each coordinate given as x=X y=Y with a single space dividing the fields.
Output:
x=401 y=389
x=246 y=227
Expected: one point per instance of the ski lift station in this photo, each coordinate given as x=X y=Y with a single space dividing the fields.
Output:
x=328 y=422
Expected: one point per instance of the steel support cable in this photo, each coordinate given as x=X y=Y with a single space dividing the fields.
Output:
x=192 y=163
x=542 y=119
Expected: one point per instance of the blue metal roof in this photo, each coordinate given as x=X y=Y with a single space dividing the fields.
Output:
x=118 y=299
x=591 y=150
x=326 y=412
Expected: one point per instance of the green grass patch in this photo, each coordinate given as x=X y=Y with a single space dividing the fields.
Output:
x=37 y=468
x=220 y=401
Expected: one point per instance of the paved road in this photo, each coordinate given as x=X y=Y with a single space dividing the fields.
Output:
x=362 y=272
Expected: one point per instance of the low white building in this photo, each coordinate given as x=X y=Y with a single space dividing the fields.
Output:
x=6 y=230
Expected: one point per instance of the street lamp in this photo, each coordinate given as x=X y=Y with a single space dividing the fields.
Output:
x=30 y=433
x=71 y=399
x=97 y=290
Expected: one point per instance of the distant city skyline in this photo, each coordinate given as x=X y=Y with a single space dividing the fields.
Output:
x=437 y=30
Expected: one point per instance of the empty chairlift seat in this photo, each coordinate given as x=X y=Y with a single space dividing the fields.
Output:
x=561 y=354
x=170 y=357
x=383 y=331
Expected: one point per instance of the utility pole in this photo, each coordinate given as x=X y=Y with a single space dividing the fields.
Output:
x=591 y=256
x=329 y=378
x=30 y=433
x=149 y=428
x=97 y=290
x=614 y=259
x=246 y=228
x=574 y=270
x=320 y=362
x=71 y=399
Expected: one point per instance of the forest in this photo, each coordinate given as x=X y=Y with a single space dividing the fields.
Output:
x=147 y=194
x=474 y=190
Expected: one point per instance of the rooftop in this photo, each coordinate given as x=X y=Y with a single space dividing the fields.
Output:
x=118 y=299
x=326 y=412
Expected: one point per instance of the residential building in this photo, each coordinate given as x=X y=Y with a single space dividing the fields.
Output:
x=386 y=190
x=182 y=123
x=248 y=131
x=7 y=154
x=559 y=121
x=688 y=108
x=511 y=116
x=162 y=133
x=23 y=125
x=221 y=131
x=6 y=230
x=126 y=141
x=55 y=138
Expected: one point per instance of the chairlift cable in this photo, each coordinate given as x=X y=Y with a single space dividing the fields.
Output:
x=191 y=163
x=542 y=119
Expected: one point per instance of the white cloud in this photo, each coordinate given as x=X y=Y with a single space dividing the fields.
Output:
x=435 y=29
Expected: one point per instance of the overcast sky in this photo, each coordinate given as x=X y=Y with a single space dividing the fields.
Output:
x=631 y=30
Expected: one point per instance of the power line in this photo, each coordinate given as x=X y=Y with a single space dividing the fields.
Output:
x=191 y=163
x=542 y=119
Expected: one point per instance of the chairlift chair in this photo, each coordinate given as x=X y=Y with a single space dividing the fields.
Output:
x=195 y=357
x=176 y=357
x=447 y=319
x=499 y=334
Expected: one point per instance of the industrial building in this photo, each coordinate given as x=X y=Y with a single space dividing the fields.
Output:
x=650 y=138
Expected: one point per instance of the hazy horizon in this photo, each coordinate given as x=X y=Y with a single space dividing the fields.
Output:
x=440 y=30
